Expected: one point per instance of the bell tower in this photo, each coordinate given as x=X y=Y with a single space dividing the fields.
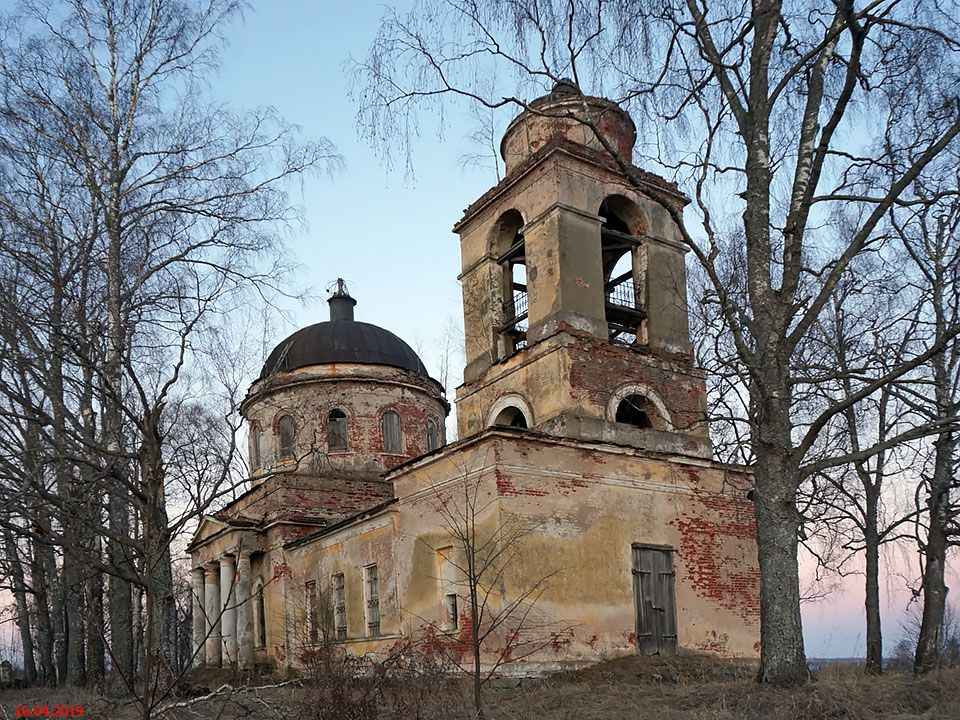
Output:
x=574 y=289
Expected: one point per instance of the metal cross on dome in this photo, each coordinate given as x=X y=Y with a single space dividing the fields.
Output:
x=341 y=288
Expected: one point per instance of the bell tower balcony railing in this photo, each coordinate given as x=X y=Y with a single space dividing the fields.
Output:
x=622 y=295
x=623 y=315
x=515 y=316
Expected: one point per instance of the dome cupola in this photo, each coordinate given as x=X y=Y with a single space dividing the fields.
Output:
x=567 y=116
x=342 y=395
x=342 y=340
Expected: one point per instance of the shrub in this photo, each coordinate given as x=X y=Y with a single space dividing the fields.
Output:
x=403 y=683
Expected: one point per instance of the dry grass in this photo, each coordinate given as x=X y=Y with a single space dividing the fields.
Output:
x=685 y=688
x=700 y=688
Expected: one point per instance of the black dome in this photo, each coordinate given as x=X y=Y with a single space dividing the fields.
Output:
x=342 y=341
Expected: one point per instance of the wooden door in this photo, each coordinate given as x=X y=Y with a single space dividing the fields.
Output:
x=653 y=588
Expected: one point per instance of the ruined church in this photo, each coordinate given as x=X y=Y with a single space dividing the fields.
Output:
x=580 y=422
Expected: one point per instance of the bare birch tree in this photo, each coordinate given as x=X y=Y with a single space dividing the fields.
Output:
x=930 y=235
x=136 y=217
x=871 y=324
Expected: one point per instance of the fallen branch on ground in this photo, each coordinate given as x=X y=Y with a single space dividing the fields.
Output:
x=225 y=688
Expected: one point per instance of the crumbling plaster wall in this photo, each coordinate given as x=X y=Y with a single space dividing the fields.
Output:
x=590 y=508
x=329 y=496
x=349 y=551
x=586 y=508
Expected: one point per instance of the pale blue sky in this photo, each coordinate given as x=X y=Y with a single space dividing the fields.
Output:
x=389 y=238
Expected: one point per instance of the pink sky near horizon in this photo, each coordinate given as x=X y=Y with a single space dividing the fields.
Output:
x=835 y=625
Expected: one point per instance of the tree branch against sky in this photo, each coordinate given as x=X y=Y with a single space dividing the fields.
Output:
x=139 y=218
x=775 y=117
x=930 y=234
x=873 y=322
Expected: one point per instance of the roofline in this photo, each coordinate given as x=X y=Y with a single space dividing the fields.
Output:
x=541 y=106
x=577 y=152
x=194 y=544
x=548 y=439
x=258 y=528
x=358 y=517
x=285 y=344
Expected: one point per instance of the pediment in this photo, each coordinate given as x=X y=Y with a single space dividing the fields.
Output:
x=209 y=527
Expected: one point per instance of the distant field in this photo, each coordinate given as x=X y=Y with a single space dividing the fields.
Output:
x=634 y=688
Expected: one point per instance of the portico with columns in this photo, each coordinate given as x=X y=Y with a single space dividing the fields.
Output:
x=221 y=580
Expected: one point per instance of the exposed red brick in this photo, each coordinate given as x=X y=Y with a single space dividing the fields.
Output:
x=507 y=488
x=714 y=643
x=733 y=583
x=561 y=639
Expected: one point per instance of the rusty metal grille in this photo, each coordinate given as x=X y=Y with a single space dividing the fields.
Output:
x=519 y=302
x=515 y=309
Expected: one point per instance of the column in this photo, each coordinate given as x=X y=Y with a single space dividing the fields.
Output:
x=199 y=621
x=244 y=612
x=212 y=607
x=228 y=621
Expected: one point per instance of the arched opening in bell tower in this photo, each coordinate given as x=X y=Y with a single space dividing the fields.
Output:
x=637 y=404
x=511 y=417
x=633 y=411
x=623 y=226
x=510 y=251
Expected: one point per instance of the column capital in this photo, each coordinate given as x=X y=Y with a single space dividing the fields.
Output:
x=226 y=560
x=242 y=550
x=211 y=567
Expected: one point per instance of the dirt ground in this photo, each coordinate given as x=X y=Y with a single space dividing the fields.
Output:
x=684 y=688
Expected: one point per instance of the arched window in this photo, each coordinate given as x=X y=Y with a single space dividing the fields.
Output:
x=635 y=410
x=288 y=432
x=259 y=616
x=337 y=431
x=623 y=225
x=433 y=437
x=510 y=250
x=390 y=427
x=511 y=417
x=255 y=447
